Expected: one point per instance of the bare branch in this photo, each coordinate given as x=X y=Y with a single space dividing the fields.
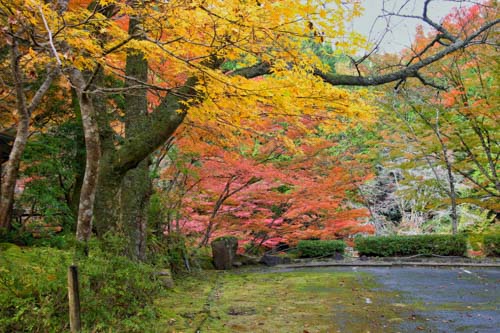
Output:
x=250 y=72
x=427 y=82
x=409 y=71
x=51 y=42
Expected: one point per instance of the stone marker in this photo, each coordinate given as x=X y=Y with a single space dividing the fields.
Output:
x=224 y=252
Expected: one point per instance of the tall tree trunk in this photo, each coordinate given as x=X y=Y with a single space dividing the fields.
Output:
x=11 y=172
x=92 y=145
x=134 y=199
x=136 y=183
x=452 y=193
x=80 y=158
x=123 y=185
x=24 y=111
x=108 y=184
x=107 y=209
x=123 y=195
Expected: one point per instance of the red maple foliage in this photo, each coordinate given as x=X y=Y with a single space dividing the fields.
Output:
x=264 y=194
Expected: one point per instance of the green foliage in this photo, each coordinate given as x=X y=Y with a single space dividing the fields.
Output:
x=230 y=65
x=320 y=248
x=253 y=248
x=54 y=159
x=474 y=219
x=325 y=52
x=16 y=235
x=475 y=241
x=21 y=236
x=176 y=250
x=492 y=245
x=116 y=293
x=32 y=289
x=445 y=245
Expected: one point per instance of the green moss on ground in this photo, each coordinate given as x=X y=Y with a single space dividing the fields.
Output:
x=281 y=302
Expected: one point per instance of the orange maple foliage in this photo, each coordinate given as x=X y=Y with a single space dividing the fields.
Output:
x=281 y=195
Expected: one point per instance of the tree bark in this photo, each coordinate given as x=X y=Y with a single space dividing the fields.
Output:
x=136 y=183
x=12 y=166
x=134 y=199
x=92 y=145
x=80 y=158
x=107 y=209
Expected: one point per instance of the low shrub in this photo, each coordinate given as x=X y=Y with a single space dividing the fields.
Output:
x=21 y=236
x=319 y=248
x=116 y=293
x=176 y=252
x=33 y=296
x=476 y=241
x=388 y=246
x=492 y=245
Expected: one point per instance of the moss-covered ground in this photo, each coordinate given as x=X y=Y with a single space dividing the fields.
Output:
x=281 y=302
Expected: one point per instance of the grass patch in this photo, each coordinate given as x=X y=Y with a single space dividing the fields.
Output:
x=280 y=302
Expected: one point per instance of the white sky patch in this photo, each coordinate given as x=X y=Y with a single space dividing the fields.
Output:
x=401 y=30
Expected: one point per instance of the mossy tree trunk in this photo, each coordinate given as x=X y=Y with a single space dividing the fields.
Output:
x=124 y=184
x=136 y=183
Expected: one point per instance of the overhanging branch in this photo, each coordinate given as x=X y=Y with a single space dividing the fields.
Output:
x=411 y=70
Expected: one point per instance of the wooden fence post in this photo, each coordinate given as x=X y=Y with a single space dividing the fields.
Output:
x=74 y=300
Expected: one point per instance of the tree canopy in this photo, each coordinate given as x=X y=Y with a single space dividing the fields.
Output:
x=235 y=75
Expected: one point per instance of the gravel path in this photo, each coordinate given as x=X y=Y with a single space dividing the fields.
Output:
x=439 y=299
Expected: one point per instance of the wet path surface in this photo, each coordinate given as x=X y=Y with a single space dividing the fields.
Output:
x=447 y=300
x=439 y=299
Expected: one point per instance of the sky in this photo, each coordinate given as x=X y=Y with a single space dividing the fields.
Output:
x=403 y=29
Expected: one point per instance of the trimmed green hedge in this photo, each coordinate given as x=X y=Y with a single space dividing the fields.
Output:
x=320 y=248
x=444 y=245
x=492 y=245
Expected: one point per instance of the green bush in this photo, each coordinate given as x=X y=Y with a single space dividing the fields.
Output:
x=21 y=236
x=444 y=245
x=116 y=293
x=32 y=289
x=492 y=245
x=320 y=248
x=475 y=241
x=176 y=252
